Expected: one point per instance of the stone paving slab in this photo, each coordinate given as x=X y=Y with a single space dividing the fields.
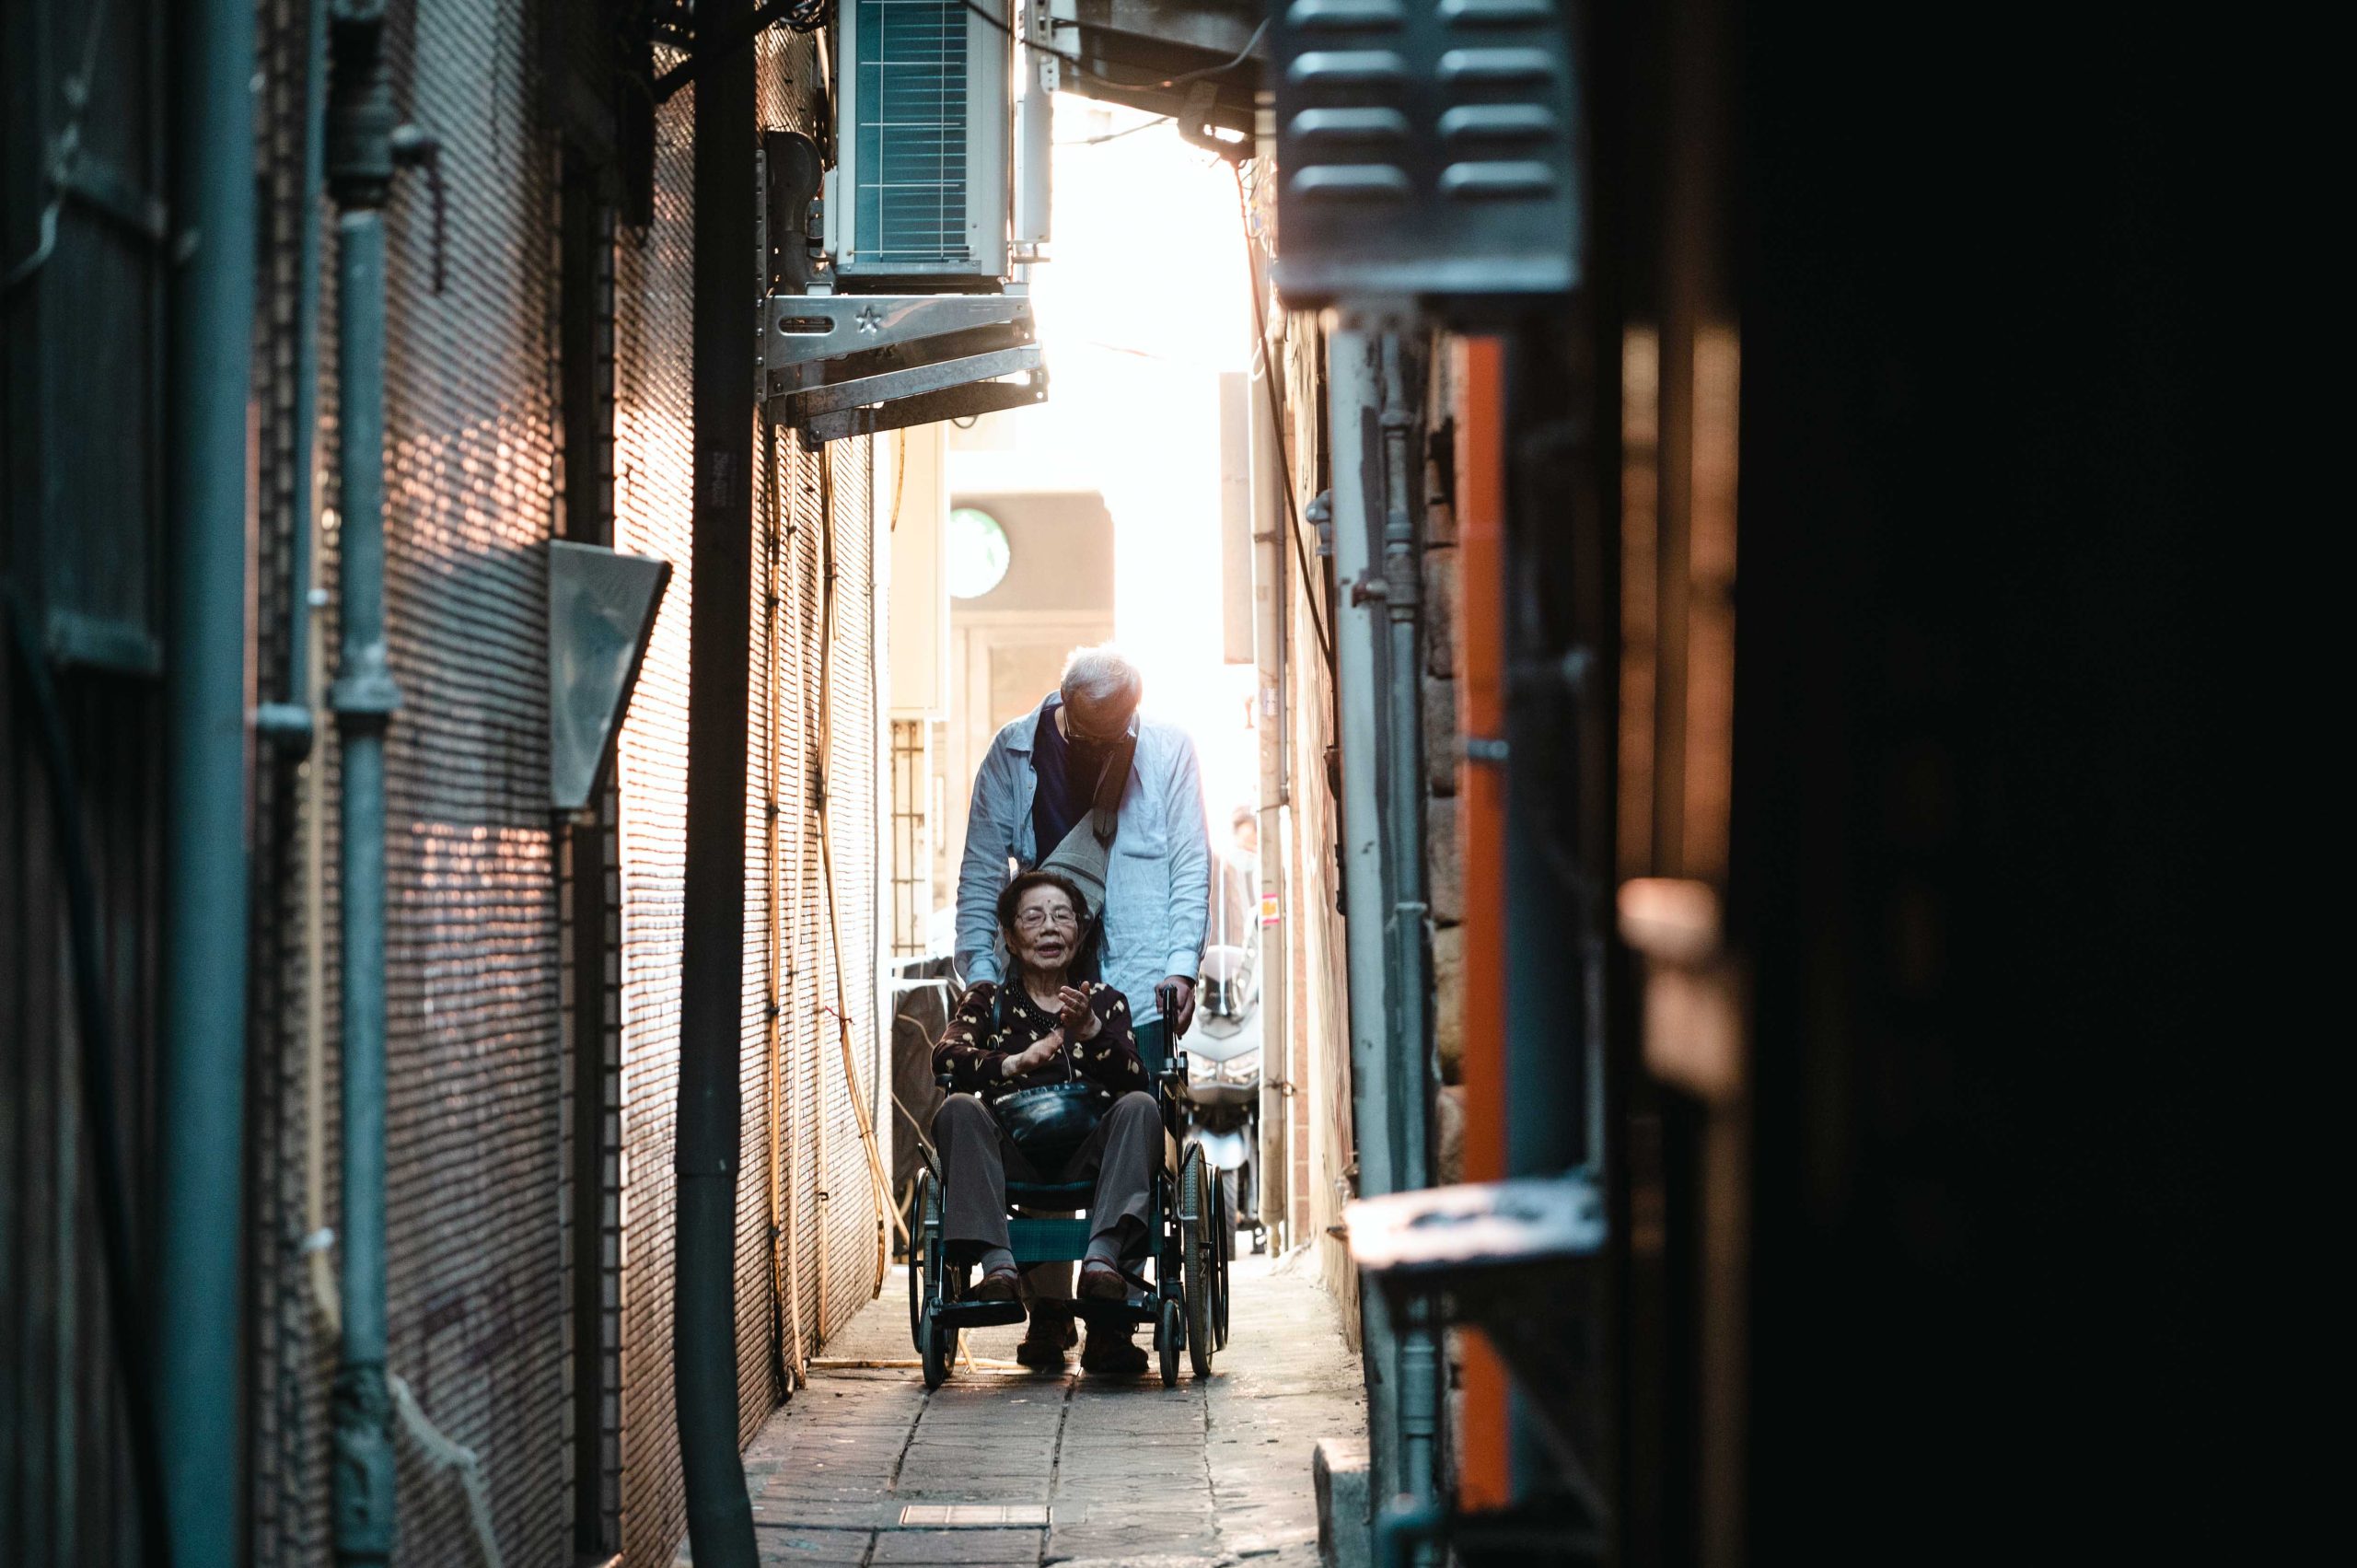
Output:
x=1209 y=1474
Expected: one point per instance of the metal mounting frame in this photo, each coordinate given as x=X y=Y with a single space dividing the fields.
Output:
x=839 y=364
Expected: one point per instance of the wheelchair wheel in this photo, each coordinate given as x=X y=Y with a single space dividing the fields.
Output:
x=922 y=1240
x=1167 y=1333
x=937 y=1347
x=1224 y=1228
x=937 y=1343
x=1199 y=1252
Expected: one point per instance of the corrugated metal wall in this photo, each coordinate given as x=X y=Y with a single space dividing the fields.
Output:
x=854 y=773
x=833 y=1234
x=481 y=1144
x=291 y=1346
x=654 y=459
x=477 y=1279
x=474 y=1263
x=479 y=1135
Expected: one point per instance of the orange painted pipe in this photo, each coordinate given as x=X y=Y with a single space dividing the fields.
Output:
x=1484 y=1480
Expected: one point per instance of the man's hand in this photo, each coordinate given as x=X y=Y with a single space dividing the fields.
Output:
x=1080 y=1020
x=1181 y=1016
x=1035 y=1056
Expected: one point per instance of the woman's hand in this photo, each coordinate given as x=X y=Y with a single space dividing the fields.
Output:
x=1036 y=1055
x=1079 y=1018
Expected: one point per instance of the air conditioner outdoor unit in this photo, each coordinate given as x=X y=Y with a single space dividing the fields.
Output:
x=922 y=129
x=916 y=307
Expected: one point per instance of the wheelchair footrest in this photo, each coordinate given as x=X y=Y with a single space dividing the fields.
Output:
x=978 y=1314
x=1120 y=1314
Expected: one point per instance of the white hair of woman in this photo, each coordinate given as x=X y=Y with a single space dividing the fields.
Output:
x=1101 y=680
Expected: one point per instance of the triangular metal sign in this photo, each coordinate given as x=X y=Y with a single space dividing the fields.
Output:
x=601 y=613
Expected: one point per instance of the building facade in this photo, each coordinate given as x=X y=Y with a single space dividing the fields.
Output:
x=537 y=389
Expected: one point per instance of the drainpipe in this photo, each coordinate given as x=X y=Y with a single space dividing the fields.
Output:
x=1407 y=933
x=202 y=1074
x=1278 y=1073
x=706 y=1158
x=287 y=722
x=1375 y=447
x=1353 y=390
x=363 y=148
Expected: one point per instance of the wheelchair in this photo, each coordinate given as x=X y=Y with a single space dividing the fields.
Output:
x=1180 y=1288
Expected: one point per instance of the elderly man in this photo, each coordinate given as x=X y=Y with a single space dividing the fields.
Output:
x=1085 y=784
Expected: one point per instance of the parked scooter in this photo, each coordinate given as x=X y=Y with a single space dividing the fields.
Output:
x=1223 y=1082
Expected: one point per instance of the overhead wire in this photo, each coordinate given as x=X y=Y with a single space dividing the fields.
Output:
x=1117 y=135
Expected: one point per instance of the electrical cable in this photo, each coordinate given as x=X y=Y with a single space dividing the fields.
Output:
x=126 y=1311
x=1240 y=57
x=1117 y=135
x=1277 y=409
x=787 y=1345
x=1078 y=63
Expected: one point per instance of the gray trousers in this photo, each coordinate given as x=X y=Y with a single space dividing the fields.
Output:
x=976 y=1158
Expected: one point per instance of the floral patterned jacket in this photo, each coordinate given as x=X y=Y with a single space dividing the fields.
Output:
x=975 y=1045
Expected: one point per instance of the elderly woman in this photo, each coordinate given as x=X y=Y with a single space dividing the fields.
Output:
x=1044 y=1030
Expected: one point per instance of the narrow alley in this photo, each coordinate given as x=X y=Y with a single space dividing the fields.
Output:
x=1498 y=711
x=1010 y=1468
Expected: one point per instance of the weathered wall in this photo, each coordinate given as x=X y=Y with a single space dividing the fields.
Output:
x=1318 y=1007
x=483 y=1141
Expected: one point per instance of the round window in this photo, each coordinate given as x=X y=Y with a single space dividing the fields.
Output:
x=978 y=553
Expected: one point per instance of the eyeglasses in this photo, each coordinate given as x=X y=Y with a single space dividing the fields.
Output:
x=1075 y=730
x=1040 y=919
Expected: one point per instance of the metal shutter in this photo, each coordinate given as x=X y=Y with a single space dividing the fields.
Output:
x=654 y=460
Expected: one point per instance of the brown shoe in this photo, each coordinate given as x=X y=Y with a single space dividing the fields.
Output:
x=1111 y=1352
x=1100 y=1282
x=1048 y=1341
x=996 y=1285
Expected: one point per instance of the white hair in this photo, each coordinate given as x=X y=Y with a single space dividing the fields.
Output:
x=1101 y=677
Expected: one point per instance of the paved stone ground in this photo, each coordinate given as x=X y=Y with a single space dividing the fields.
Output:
x=1214 y=1472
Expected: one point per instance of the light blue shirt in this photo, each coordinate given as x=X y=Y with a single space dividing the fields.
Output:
x=1157 y=889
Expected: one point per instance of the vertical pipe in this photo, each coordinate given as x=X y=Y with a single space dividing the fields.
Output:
x=1483 y=1438
x=287 y=722
x=201 y=1100
x=1410 y=1063
x=1353 y=394
x=1278 y=1075
x=360 y=172
x=1035 y=126
x=1375 y=458
x=706 y=1157
x=1404 y=786
x=300 y=571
